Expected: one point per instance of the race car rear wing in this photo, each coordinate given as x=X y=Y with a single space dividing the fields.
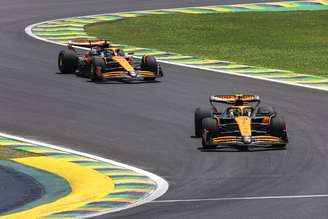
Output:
x=238 y=99
x=89 y=43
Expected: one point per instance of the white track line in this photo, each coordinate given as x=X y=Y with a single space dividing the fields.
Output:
x=162 y=185
x=242 y=198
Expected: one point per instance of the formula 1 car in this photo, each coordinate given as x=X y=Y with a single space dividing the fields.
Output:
x=242 y=123
x=103 y=61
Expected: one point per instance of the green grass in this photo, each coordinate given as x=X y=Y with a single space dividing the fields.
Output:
x=10 y=153
x=296 y=41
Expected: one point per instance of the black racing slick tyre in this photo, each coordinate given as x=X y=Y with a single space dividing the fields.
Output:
x=93 y=70
x=208 y=124
x=266 y=111
x=149 y=63
x=199 y=115
x=278 y=129
x=67 y=62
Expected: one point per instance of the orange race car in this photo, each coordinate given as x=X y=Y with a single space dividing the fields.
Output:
x=242 y=123
x=104 y=62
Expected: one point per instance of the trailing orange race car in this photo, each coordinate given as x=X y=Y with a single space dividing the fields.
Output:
x=242 y=123
x=104 y=62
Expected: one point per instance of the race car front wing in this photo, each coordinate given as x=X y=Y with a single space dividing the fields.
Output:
x=259 y=140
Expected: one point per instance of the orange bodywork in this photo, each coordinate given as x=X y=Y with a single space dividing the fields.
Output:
x=244 y=125
x=123 y=62
x=120 y=74
x=232 y=98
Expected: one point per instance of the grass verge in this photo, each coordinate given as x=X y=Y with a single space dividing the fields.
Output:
x=295 y=41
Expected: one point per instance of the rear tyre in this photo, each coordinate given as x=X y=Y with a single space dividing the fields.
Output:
x=278 y=129
x=266 y=111
x=67 y=62
x=209 y=124
x=93 y=70
x=199 y=115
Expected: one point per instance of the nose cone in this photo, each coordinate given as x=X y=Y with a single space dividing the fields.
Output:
x=133 y=73
x=244 y=125
x=247 y=139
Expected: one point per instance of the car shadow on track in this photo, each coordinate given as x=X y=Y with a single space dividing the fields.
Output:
x=238 y=149
x=111 y=82
x=124 y=82
x=234 y=149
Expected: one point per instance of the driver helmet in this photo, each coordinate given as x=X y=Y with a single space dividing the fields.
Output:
x=95 y=50
x=248 y=112
x=235 y=112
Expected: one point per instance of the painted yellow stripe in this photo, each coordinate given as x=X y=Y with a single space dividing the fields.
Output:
x=126 y=14
x=77 y=20
x=154 y=12
x=312 y=81
x=322 y=2
x=218 y=9
x=226 y=66
x=256 y=7
x=156 y=53
x=201 y=62
x=133 y=48
x=42 y=151
x=284 y=4
x=8 y=143
x=284 y=76
x=187 y=11
x=260 y=70
x=59 y=25
x=70 y=37
x=175 y=57
x=87 y=185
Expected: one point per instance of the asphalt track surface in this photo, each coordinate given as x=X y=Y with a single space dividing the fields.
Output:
x=16 y=189
x=150 y=125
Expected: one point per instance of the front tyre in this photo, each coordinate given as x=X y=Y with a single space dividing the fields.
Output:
x=199 y=115
x=93 y=70
x=149 y=63
x=278 y=129
x=208 y=125
x=67 y=62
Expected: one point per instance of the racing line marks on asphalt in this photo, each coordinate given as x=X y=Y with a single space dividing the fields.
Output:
x=242 y=198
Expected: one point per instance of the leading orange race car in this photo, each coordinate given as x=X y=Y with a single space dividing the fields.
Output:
x=105 y=62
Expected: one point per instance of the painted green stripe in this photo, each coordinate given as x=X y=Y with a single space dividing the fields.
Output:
x=71 y=214
x=127 y=195
x=134 y=186
x=107 y=204
x=119 y=177
x=37 y=29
